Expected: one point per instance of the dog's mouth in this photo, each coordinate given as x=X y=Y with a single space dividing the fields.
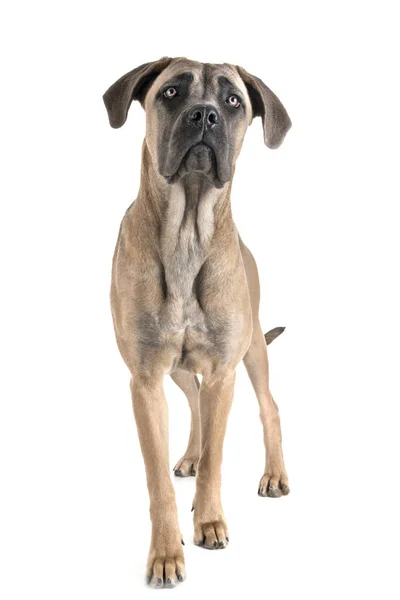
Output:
x=199 y=158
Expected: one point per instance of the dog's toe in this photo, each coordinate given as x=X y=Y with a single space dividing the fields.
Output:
x=166 y=572
x=186 y=467
x=211 y=535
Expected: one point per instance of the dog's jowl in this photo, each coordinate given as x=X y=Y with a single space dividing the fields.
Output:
x=185 y=290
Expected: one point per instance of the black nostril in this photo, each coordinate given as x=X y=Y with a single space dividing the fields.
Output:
x=196 y=115
x=212 y=117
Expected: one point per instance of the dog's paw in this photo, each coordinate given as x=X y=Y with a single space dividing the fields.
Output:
x=166 y=572
x=165 y=563
x=273 y=485
x=186 y=467
x=212 y=535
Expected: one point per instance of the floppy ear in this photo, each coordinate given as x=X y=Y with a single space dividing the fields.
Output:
x=276 y=121
x=132 y=86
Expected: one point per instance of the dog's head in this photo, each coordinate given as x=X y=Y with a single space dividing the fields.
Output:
x=197 y=114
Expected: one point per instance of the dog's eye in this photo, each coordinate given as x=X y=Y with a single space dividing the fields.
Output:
x=233 y=101
x=170 y=92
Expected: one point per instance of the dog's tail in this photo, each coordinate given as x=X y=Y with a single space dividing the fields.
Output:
x=271 y=335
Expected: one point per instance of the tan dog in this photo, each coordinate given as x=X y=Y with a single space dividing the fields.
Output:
x=185 y=289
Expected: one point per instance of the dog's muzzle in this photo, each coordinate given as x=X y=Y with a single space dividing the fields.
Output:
x=198 y=143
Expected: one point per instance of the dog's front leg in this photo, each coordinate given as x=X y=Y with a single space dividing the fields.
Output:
x=216 y=393
x=165 y=566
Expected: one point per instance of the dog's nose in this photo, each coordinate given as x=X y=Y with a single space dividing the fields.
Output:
x=203 y=116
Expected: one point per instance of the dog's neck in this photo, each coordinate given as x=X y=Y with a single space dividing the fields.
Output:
x=158 y=194
x=188 y=220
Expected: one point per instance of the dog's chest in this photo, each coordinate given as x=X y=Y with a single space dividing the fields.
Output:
x=186 y=235
x=185 y=242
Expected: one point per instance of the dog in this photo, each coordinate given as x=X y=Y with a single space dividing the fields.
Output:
x=185 y=289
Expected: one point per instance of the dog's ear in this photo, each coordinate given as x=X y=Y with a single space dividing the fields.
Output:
x=276 y=121
x=132 y=86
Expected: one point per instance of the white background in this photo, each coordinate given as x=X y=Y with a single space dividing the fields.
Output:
x=321 y=217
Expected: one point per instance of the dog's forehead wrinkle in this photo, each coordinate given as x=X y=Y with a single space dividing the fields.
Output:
x=212 y=75
x=185 y=76
x=179 y=67
x=207 y=78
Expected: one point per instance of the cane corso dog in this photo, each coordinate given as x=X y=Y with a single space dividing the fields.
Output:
x=185 y=289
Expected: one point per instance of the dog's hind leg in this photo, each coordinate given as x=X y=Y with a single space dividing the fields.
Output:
x=274 y=482
x=189 y=384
